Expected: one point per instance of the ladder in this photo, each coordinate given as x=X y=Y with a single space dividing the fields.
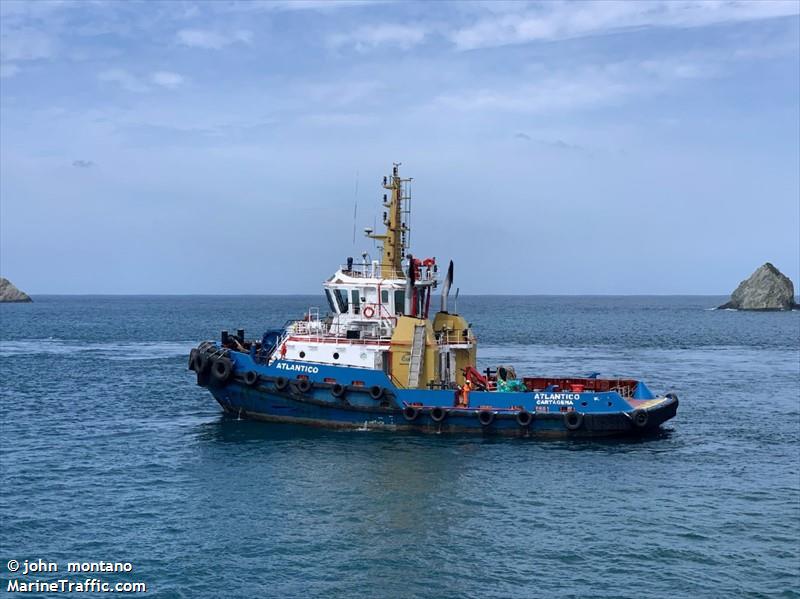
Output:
x=417 y=352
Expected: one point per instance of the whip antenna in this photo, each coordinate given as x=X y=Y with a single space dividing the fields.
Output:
x=355 y=209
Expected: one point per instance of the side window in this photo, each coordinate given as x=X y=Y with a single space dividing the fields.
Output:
x=384 y=296
x=329 y=297
x=356 y=301
x=399 y=301
x=341 y=300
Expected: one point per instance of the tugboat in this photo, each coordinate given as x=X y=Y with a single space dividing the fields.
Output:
x=380 y=361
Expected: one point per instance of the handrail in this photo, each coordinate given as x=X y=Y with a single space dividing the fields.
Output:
x=373 y=271
x=301 y=328
x=455 y=337
x=625 y=391
x=395 y=380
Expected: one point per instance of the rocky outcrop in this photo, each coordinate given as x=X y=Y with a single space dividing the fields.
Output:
x=9 y=293
x=766 y=289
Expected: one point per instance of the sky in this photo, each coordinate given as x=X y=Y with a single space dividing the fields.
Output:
x=556 y=148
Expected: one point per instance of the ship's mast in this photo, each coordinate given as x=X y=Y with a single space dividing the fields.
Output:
x=395 y=239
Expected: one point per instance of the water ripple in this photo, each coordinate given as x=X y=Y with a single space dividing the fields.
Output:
x=109 y=451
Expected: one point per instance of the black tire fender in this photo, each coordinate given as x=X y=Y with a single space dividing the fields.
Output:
x=376 y=392
x=221 y=369
x=485 y=417
x=524 y=418
x=192 y=355
x=573 y=420
x=438 y=414
x=251 y=378
x=410 y=413
x=304 y=385
x=281 y=383
x=201 y=363
x=338 y=390
x=639 y=418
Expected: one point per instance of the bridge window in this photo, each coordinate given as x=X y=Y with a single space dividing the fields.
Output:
x=356 y=301
x=399 y=301
x=341 y=300
x=329 y=297
x=385 y=296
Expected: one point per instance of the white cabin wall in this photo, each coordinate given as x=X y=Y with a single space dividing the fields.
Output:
x=358 y=355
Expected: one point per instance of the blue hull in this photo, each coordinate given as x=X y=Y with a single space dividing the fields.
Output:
x=358 y=399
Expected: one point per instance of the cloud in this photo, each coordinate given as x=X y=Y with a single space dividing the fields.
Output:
x=368 y=38
x=167 y=79
x=561 y=144
x=340 y=119
x=124 y=79
x=8 y=70
x=342 y=93
x=561 y=20
x=313 y=4
x=132 y=83
x=82 y=163
x=550 y=92
x=25 y=44
x=24 y=9
x=558 y=144
x=257 y=6
x=572 y=89
x=213 y=40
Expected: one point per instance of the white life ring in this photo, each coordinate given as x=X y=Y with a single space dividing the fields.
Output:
x=369 y=312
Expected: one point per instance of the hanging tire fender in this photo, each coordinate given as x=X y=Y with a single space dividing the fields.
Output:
x=573 y=420
x=192 y=356
x=438 y=414
x=304 y=385
x=639 y=418
x=338 y=390
x=251 y=378
x=410 y=413
x=376 y=392
x=524 y=418
x=221 y=369
x=201 y=363
x=281 y=383
x=486 y=417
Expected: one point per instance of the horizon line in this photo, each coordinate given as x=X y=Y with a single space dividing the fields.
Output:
x=96 y=294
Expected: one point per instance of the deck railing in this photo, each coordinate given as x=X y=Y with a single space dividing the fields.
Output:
x=456 y=337
x=333 y=328
x=373 y=270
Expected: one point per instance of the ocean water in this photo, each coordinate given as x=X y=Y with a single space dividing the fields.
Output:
x=110 y=452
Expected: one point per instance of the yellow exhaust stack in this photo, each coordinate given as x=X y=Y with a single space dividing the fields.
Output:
x=457 y=340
